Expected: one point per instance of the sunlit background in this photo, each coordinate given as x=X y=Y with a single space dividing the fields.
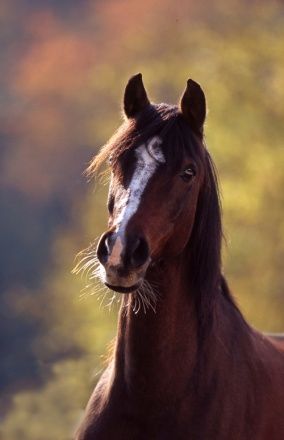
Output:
x=64 y=65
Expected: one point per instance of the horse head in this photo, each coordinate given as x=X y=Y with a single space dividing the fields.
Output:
x=158 y=170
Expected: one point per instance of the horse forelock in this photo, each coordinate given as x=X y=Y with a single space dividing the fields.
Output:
x=161 y=120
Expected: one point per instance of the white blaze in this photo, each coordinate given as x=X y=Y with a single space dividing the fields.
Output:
x=149 y=156
x=114 y=258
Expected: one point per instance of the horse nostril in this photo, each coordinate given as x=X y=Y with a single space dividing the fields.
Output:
x=140 y=253
x=103 y=248
x=134 y=256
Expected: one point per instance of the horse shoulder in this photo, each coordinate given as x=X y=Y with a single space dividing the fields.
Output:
x=271 y=353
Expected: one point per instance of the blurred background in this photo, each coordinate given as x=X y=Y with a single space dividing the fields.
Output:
x=64 y=65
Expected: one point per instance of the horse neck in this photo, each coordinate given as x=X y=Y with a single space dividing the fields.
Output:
x=157 y=350
x=169 y=358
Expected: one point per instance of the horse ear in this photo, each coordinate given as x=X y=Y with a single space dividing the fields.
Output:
x=193 y=106
x=135 y=96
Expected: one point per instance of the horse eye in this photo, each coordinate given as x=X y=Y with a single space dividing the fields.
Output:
x=188 y=174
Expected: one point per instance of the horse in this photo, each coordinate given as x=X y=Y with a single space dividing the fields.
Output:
x=186 y=365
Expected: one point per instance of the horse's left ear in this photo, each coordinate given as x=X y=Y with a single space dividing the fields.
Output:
x=135 y=96
x=193 y=106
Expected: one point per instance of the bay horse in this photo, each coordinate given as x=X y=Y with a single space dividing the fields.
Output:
x=186 y=365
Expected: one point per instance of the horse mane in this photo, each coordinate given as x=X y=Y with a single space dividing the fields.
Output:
x=204 y=246
x=205 y=242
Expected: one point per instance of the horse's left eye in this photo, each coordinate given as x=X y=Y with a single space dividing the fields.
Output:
x=188 y=174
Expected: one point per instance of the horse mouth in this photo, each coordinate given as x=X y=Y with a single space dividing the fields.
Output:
x=122 y=289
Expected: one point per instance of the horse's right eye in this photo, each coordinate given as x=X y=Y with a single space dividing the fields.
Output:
x=188 y=174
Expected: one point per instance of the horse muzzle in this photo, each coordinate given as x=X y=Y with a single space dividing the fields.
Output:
x=124 y=260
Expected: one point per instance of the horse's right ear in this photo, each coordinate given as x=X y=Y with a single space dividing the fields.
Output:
x=193 y=106
x=135 y=96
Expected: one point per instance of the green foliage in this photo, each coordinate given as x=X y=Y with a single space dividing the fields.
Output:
x=51 y=412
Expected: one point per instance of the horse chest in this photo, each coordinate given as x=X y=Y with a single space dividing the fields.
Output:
x=124 y=418
x=127 y=419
